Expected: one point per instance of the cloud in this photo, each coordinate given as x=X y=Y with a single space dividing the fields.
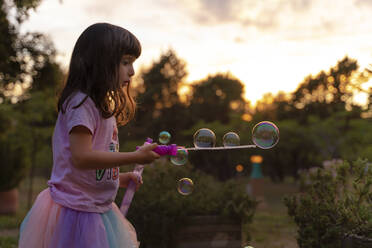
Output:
x=363 y=3
x=218 y=11
x=263 y=14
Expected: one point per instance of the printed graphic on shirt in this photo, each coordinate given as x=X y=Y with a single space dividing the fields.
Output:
x=99 y=174
x=113 y=173
x=112 y=147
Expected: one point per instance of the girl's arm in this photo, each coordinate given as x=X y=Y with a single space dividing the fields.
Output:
x=126 y=177
x=83 y=157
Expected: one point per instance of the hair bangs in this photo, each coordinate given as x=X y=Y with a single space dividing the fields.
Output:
x=130 y=45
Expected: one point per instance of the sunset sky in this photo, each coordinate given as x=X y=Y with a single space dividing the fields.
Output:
x=270 y=45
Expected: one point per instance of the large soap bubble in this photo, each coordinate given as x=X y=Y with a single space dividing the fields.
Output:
x=265 y=134
x=204 y=137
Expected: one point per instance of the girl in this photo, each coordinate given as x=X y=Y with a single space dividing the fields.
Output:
x=77 y=209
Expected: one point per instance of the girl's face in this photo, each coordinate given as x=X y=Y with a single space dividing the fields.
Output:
x=126 y=70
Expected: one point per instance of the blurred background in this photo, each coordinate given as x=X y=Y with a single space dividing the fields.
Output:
x=223 y=65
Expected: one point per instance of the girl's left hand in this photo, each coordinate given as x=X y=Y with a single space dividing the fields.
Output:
x=126 y=177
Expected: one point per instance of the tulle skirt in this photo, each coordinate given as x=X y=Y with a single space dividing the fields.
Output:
x=50 y=225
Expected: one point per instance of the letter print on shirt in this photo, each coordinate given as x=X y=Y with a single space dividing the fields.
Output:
x=112 y=173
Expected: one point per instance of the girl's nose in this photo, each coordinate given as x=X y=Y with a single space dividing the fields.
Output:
x=131 y=71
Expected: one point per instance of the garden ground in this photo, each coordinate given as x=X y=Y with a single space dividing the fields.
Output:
x=271 y=227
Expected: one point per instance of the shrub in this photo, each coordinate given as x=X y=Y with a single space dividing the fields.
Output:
x=158 y=209
x=334 y=205
x=13 y=150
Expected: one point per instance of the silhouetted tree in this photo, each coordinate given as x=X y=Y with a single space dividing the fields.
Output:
x=327 y=92
x=159 y=103
x=216 y=98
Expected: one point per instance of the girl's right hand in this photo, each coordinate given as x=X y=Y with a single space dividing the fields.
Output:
x=145 y=153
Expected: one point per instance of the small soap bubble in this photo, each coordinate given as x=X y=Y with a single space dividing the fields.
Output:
x=164 y=137
x=231 y=139
x=204 y=137
x=185 y=186
x=265 y=134
x=181 y=157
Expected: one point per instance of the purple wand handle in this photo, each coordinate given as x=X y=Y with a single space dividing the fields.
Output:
x=130 y=191
x=129 y=194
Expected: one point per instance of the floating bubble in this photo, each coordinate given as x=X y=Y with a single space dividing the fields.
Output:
x=231 y=139
x=164 y=137
x=181 y=157
x=204 y=137
x=265 y=134
x=185 y=186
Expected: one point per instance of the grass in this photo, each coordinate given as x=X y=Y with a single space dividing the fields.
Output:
x=9 y=224
x=8 y=242
x=271 y=227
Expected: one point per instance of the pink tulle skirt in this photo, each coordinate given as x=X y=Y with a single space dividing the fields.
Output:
x=50 y=225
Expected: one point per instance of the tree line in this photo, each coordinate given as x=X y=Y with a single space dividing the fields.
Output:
x=318 y=121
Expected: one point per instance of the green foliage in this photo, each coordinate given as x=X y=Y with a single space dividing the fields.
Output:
x=22 y=56
x=14 y=154
x=159 y=104
x=334 y=205
x=216 y=97
x=14 y=161
x=158 y=210
x=327 y=92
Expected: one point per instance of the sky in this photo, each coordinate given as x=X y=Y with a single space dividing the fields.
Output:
x=270 y=45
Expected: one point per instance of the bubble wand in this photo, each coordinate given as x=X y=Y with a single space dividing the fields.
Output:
x=219 y=148
x=265 y=136
x=162 y=150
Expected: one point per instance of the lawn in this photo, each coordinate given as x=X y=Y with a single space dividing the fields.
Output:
x=272 y=227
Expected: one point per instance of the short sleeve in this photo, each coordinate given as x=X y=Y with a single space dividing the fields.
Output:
x=84 y=115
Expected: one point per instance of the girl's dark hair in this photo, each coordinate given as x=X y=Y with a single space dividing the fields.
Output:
x=94 y=70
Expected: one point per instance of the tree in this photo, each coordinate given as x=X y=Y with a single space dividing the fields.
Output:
x=27 y=63
x=159 y=103
x=20 y=54
x=327 y=92
x=216 y=98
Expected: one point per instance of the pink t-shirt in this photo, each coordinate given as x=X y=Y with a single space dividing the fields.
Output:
x=83 y=190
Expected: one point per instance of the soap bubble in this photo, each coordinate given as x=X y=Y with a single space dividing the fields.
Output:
x=185 y=186
x=164 y=137
x=181 y=157
x=265 y=134
x=204 y=137
x=231 y=139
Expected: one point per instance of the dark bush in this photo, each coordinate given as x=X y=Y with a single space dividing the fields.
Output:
x=158 y=210
x=336 y=203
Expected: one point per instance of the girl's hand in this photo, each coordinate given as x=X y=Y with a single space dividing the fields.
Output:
x=145 y=153
x=127 y=177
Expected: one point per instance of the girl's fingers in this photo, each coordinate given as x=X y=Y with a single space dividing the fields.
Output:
x=137 y=179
